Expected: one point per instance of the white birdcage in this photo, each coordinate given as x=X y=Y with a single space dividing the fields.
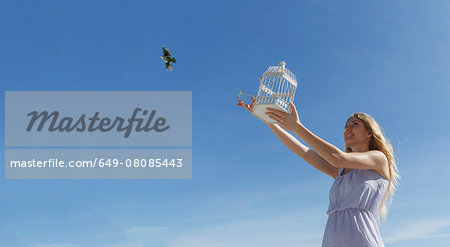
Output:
x=276 y=88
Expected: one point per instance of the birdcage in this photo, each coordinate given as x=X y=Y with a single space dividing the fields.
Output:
x=276 y=88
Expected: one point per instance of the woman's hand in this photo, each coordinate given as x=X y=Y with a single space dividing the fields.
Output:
x=249 y=107
x=285 y=120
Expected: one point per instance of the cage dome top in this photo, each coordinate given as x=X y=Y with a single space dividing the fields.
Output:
x=280 y=71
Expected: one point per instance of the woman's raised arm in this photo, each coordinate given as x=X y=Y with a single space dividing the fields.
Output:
x=307 y=154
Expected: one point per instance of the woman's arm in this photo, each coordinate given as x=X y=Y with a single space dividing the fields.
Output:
x=373 y=159
x=307 y=154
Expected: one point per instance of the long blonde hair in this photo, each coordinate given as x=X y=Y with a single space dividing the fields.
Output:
x=379 y=142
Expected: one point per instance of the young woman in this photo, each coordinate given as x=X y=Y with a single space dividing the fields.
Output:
x=365 y=174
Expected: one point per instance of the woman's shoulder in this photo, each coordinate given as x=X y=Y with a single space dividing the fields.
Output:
x=383 y=170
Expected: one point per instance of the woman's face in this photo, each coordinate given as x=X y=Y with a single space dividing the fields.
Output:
x=355 y=132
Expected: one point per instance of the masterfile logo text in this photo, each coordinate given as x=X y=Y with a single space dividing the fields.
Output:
x=98 y=118
x=95 y=123
x=98 y=134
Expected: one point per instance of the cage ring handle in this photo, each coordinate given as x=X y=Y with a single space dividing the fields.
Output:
x=241 y=93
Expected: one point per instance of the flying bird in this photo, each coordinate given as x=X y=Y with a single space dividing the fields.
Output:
x=168 y=59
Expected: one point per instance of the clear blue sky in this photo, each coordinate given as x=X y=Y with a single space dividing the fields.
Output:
x=390 y=59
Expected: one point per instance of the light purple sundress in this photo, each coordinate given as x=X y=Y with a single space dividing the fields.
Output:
x=355 y=199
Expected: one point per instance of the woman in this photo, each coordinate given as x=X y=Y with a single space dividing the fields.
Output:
x=365 y=174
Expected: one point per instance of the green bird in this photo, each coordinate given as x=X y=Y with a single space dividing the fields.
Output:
x=168 y=59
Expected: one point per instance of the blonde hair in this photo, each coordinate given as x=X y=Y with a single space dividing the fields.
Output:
x=379 y=142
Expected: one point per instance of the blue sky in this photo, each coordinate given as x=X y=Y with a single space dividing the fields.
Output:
x=387 y=58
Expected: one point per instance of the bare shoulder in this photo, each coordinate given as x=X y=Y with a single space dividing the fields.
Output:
x=382 y=161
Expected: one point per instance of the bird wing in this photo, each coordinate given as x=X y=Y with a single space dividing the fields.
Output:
x=167 y=52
